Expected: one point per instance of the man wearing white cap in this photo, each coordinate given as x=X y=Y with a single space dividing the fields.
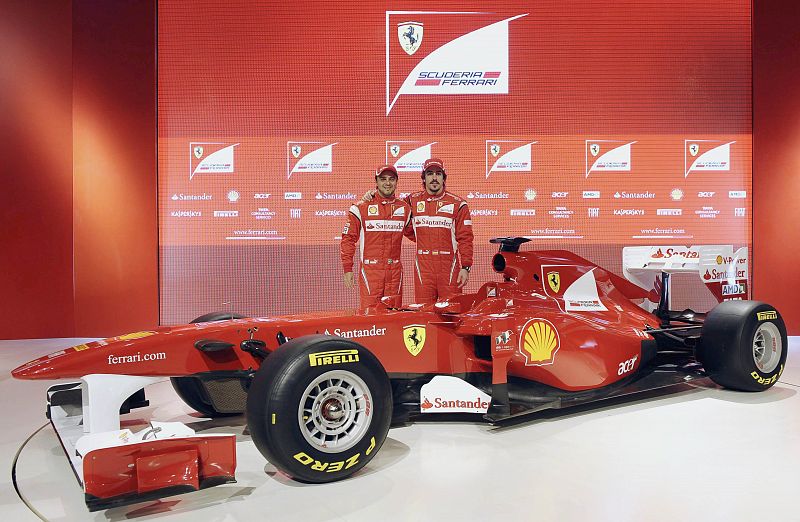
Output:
x=376 y=227
x=443 y=229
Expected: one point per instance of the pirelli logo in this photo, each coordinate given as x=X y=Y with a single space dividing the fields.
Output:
x=333 y=357
x=766 y=316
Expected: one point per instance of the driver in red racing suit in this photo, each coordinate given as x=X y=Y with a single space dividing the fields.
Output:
x=377 y=228
x=443 y=229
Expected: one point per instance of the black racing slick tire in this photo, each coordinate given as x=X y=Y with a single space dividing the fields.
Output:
x=743 y=345
x=190 y=389
x=319 y=408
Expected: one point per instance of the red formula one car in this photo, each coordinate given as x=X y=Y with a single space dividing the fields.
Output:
x=321 y=390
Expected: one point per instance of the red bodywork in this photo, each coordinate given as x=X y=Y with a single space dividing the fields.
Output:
x=555 y=319
x=534 y=335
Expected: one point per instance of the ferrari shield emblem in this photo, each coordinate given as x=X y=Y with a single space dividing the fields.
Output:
x=554 y=281
x=296 y=150
x=414 y=338
x=594 y=148
x=198 y=151
x=694 y=148
x=494 y=149
x=395 y=150
x=410 y=36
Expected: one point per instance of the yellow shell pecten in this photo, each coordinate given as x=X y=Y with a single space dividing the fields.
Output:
x=540 y=341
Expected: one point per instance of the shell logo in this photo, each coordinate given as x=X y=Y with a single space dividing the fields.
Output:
x=539 y=342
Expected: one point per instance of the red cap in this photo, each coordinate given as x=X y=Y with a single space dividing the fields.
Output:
x=386 y=168
x=433 y=162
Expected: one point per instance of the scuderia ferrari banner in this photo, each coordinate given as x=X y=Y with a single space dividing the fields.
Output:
x=596 y=125
x=475 y=62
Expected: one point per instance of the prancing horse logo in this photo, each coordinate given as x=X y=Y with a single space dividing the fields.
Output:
x=554 y=281
x=414 y=338
x=410 y=36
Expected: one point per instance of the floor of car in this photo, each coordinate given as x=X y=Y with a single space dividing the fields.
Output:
x=701 y=453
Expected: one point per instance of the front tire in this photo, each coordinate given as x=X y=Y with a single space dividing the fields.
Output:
x=743 y=345
x=319 y=408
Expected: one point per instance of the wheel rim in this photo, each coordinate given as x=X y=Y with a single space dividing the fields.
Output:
x=767 y=347
x=335 y=411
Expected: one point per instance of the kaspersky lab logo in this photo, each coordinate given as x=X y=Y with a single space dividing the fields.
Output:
x=705 y=155
x=419 y=61
x=210 y=158
x=608 y=155
x=508 y=156
x=308 y=156
x=408 y=156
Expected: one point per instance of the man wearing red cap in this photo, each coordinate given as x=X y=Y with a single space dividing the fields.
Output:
x=377 y=228
x=443 y=230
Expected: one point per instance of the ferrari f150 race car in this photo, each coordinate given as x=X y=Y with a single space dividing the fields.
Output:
x=320 y=390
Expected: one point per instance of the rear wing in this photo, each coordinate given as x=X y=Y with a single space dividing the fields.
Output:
x=724 y=271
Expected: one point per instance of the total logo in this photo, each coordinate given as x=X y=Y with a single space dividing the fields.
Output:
x=473 y=62
x=489 y=195
x=192 y=197
x=634 y=195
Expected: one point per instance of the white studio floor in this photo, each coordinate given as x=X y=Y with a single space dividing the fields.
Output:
x=701 y=453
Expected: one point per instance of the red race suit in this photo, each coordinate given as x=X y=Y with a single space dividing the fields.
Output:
x=443 y=230
x=376 y=227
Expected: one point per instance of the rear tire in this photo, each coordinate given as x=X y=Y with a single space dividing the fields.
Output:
x=743 y=345
x=319 y=420
x=190 y=389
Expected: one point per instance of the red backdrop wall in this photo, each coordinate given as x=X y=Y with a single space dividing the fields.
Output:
x=78 y=205
x=776 y=157
x=78 y=200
